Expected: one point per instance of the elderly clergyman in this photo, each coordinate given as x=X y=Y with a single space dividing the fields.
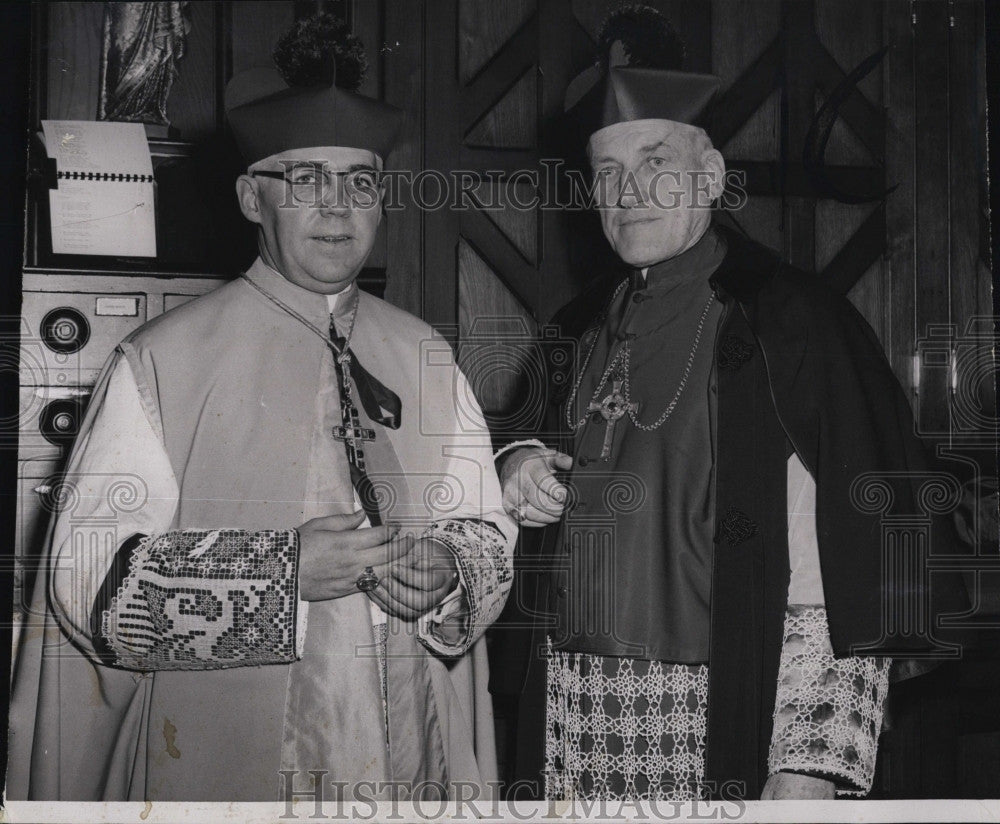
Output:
x=282 y=536
x=718 y=595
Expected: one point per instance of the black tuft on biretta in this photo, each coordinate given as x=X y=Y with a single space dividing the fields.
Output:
x=626 y=93
x=269 y=117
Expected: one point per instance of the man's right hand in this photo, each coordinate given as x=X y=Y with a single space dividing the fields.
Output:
x=333 y=553
x=532 y=494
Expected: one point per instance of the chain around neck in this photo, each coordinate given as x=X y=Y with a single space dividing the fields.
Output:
x=623 y=358
x=341 y=352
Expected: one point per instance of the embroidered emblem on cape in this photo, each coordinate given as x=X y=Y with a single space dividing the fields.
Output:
x=736 y=527
x=734 y=352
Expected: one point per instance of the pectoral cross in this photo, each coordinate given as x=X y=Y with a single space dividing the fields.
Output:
x=612 y=409
x=351 y=432
x=353 y=435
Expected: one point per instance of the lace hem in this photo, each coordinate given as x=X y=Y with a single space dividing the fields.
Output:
x=206 y=599
x=624 y=728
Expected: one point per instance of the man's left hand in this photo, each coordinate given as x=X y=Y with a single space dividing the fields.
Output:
x=419 y=583
x=786 y=786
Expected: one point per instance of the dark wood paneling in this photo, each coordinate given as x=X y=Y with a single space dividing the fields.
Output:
x=74 y=60
x=693 y=21
x=967 y=164
x=442 y=135
x=366 y=22
x=856 y=268
x=518 y=274
x=483 y=27
x=836 y=223
x=512 y=123
x=486 y=307
x=746 y=120
x=761 y=219
x=798 y=21
x=863 y=117
x=900 y=165
x=734 y=50
x=366 y=19
x=558 y=61
x=257 y=25
x=933 y=199
x=850 y=32
x=191 y=105
x=511 y=63
x=519 y=225
x=404 y=87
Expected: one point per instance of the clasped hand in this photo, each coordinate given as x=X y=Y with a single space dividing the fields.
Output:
x=532 y=494
x=414 y=574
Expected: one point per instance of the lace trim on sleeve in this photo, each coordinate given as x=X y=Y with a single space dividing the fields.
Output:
x=485 y=571
x=206 y=599
x=828 y=711
x=517 y=445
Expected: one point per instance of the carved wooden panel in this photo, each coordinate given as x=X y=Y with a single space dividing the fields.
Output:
x=495 y=330
x=483 y=123
x=484 y=26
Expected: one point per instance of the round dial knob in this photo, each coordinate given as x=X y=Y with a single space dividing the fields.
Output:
x=60 y=420
x=65 y=330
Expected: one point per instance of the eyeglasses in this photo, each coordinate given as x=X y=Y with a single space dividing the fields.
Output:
x=313 y=185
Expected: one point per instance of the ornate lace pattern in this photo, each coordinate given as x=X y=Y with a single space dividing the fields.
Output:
x=381 y=637
x=624 y=728
x=828 y=711
x=485 y=569
x=205 y=599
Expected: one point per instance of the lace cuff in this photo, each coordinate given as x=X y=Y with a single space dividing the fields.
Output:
x=828 y=711
x=206 y=599
x=517 y=445
x=485 y=570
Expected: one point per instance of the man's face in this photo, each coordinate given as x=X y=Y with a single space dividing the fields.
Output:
x=319 y=232
x=655 y=182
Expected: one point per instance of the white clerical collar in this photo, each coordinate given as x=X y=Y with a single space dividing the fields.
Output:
x=337 y=300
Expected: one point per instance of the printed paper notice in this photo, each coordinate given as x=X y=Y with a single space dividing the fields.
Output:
x=103 y=203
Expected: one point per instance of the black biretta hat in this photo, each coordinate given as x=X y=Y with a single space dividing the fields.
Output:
x=627 y=93
x=269 y=117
